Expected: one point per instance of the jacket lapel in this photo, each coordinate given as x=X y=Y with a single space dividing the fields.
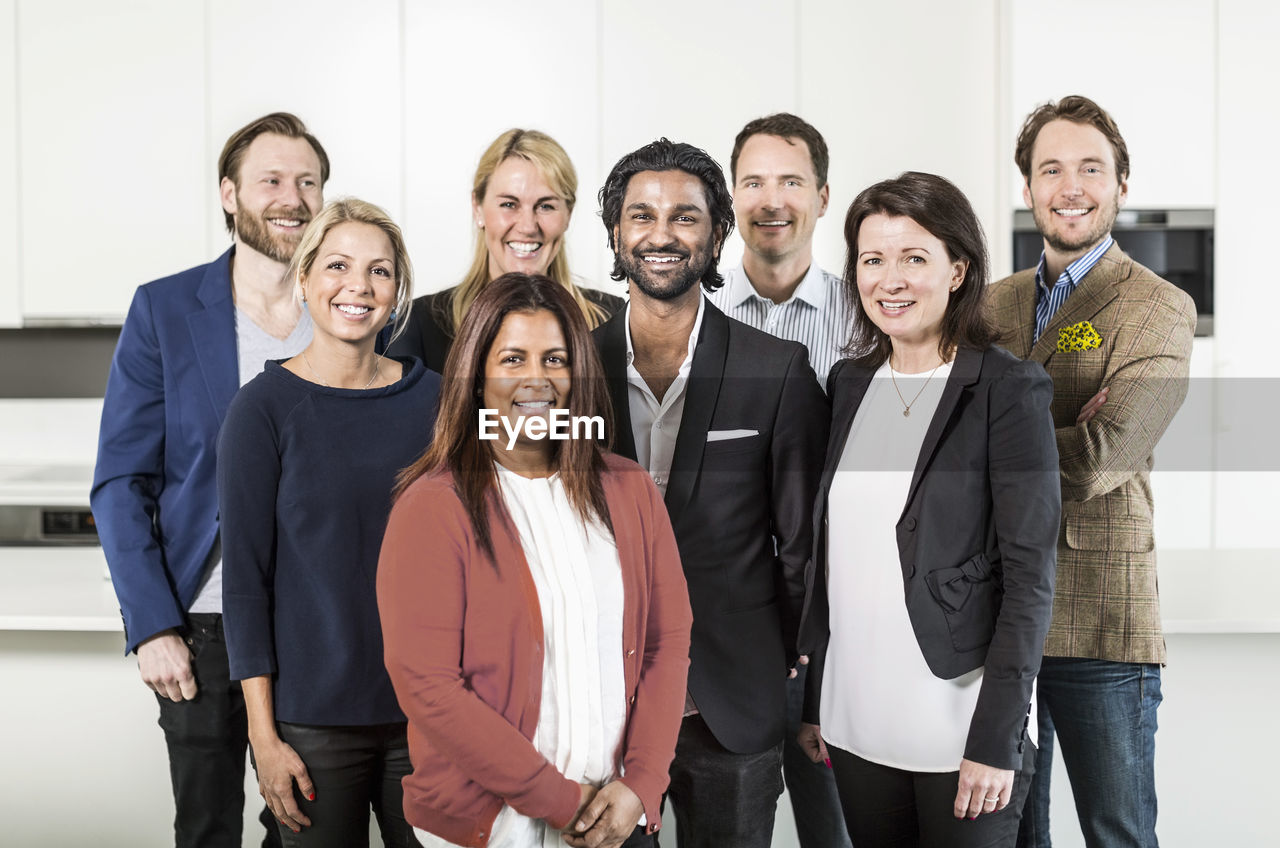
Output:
x=611 y=339
x=210 y=327
x=1095 y=291
x=847 y=390
x=964 y=373
x=701 y=394
x=1023 y=293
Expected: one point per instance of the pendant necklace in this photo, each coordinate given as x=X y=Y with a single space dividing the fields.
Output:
x=906 y=407
x=372 y=377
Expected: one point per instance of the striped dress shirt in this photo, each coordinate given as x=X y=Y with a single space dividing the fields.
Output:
x=818 y=315
x=1049 y=299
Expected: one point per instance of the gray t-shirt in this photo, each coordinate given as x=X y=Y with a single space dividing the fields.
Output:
x=254 y=346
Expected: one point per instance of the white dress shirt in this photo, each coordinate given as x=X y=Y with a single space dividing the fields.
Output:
x=818 y=315
x=656 y=423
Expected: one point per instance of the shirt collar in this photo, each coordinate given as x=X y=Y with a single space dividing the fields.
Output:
x=813 y=288
x=693 y=334
x=1077 y=270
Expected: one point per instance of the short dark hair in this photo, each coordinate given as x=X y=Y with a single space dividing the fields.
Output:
x=665 y=155
x=788 y=127
x=1078 y=110
x=280 y=123
x=937 y=205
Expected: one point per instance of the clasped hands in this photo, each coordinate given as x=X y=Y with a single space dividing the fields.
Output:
x=605 y=817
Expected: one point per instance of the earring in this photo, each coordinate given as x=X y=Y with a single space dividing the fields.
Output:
x=479 y=224
x=304 y=295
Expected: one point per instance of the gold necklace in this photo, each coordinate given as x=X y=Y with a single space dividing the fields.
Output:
x=906 y=407
x=372 y=377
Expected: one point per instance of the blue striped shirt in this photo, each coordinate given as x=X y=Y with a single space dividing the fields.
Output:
x=817 y=314
x=1048 y=300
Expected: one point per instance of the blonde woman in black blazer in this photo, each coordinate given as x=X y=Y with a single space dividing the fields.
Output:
x=974 y=541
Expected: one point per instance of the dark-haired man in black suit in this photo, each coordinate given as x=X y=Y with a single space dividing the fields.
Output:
x=732 y=425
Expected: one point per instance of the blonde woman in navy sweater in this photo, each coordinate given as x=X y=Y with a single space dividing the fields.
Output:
x=306 y=462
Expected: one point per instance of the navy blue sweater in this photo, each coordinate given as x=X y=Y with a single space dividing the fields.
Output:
x=304 y=488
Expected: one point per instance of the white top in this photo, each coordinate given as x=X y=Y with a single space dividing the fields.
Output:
x=655 y=424
x=582 y=715
x=818 y=314
x=254 y=347
x=879 y=699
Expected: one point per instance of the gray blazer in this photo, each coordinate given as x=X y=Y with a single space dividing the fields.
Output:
x=976 y=538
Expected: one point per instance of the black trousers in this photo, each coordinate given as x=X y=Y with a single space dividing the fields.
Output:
x=890 y=808
x=354 y=769
x=207 y=737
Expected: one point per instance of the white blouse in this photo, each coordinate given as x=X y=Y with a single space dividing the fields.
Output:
x=582 y=715
x=879 y=699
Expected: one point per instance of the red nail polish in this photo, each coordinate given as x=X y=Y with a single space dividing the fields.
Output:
x=311 y=797
x=828 y=762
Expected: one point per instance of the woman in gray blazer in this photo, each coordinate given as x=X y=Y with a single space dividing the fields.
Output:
x=930 y=591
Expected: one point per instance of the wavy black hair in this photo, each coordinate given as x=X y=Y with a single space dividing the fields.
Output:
x=666 y=155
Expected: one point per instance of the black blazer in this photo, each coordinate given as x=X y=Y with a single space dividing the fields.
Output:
x=730 y=501
x=977 y=538
x=425 y=335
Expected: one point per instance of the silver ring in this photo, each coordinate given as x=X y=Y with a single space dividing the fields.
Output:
x=992 y=800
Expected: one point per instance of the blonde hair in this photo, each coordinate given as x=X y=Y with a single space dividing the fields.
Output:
x=553 y=163
x=353 y=210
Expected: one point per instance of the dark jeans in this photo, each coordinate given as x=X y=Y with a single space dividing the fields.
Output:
x=890 y=808
x=207 y=737
x=1104 y=715
x=722 y=799
x=810 y=786
x=353 y=769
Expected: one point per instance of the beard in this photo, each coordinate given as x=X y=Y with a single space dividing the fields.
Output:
x=696 y=265
x=1105 y=220
x=254 y=231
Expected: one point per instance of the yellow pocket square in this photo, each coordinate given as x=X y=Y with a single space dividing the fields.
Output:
x=1080 y=336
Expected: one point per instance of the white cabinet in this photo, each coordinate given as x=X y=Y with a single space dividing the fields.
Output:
x=10 y=303
x=902 y=86
x=334 y=64
x=1150 y=63
x=471 y=72
x=695 y=73
x=110 y=124
x=1248 y=297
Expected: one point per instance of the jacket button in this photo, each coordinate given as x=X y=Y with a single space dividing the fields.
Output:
x=910 y=524
x=911 y=570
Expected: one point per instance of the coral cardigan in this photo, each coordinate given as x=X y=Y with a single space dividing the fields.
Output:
x=463 y=644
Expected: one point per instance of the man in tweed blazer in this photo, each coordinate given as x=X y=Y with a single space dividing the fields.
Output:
x=1116 y=339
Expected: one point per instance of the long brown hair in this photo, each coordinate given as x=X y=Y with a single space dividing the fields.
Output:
x=457 y=447
x=936 y=204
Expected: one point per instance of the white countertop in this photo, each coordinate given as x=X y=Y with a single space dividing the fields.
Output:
x=1201 y=591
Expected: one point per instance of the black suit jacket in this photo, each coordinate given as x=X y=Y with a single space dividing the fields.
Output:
x=742 y=513
x=977 y=538
x=425 y=335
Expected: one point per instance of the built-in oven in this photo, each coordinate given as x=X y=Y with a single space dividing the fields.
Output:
x=46 y=505
x=1175 y=243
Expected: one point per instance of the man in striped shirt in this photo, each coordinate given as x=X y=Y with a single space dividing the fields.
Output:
x=779 y=172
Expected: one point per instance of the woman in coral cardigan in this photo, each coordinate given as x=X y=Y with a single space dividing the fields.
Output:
x=534 y=612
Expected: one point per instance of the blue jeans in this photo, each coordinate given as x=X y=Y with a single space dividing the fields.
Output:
x=811 y=786
x=1104 y=714
x=722 y=799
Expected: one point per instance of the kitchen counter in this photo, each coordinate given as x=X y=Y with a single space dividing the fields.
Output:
x=1201 y=591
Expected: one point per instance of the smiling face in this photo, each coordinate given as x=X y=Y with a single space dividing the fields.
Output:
x=351 y=287
x=523 y=218
x=665 y=237
x=1074 y=191
x=275 y=194
x=776 y=196
x=526 y=373
x=905 y=279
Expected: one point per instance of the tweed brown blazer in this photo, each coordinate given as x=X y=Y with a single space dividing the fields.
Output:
x=1106 y=603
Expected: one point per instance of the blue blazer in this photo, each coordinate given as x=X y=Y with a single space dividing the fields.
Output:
x=154 y=496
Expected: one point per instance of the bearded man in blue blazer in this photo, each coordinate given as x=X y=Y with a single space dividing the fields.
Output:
x=187 y=345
